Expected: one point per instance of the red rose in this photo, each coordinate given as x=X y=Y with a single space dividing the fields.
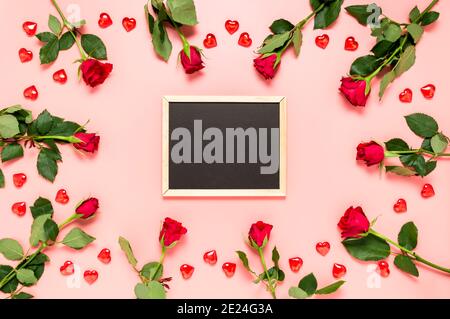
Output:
x=88 y=207
x=258 y=233
x=266 y=66
x=353 y=223
x=193 y=64
x=89 y=142
x=171 y=231
x=354 y=91
x=372 y=153
x=95 y=72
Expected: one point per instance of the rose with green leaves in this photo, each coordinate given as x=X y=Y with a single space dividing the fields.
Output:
x=307 y=287
x=285 y=34
x=363 y=242
x=63 y=35
x=19 y=130
x=393 y=54
x=44 y=234
x=419 y=161
x=152 y=284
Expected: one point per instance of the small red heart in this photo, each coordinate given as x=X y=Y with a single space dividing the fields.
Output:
x=19 y=208
x=295 y=263
x=245 y=40
x=90 y=276
x=383 y=268
x=104 y=256
x=67 y=268
x=25 y=55
x=229 y=269
x=186 y=271
x=406 y=96
x=428 y=91
x=339 y=271
x=210 y=257
x=400 y=206
x=31 y=93
x=322 y=41
x=62 y=197
x=129 y=23
x=60 y=76
x=105 y=20
x=231 y=26
x=427 y=191
x=210 y=41
x=323 y=248
x=19 y=179
x=351 y=44
x=30 y=28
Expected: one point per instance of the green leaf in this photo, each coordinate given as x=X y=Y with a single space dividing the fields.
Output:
x=11 y=249
x=407 y=237
x=2 y=179
x=275 y=42
x=66 y=41
x=47 y=163
x=382 y=48
x=400 y=170
x=54 y=24
x=364 y=65
x=12 y=284
x=275 y=273
x=429 y=17
x=38 y=233
x=150 y=19
x=281 y=26
x=297 y=293
x=49 y=52
x=44 y=122
x=396 y=144
x=414 y=14
x=126 y=248
x=275 y=256
x=416 y=161
x=11 y=151
x=9 y=126
x=161 y=41
x=297 y=39
x=244 y=259
x=183 y=11
x=45 y=36
x=415 y=31
x=152 y=271
x=26 y=276
x=41 y=206
x=51 y=229
x=422 y=125
x=426 y=145
x=439 y=143
x=22 y=295
x=151 y=290
x=430 y=166
x=64 y=128
x=367 y=248
x=387 y=79
x=77 y=239
x=406 y=61
x=393 y=32
x=308 y=284
x=94 y=46
x=328 y=14
x=330 y=288
x=361 y=12
x=405 y=264
x=40 y=259
x=78 y=24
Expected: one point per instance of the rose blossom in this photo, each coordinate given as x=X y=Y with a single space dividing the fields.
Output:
x=266 y=65
x=258 y=232
x=171 y=231
x=87 y=208
x=353 y=223
x=89 y=142
x=194 y=63
x=354 y=91
x=95 y=72
x=372 y=153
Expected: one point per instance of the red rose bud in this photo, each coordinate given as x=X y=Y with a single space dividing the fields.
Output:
x=353 y=223
x=259 y=233
x=266 y=65
x=194 y=63
x=95 y=72
x=171 y=232
x=372 y=153
x=354 y=91
x=87 y=208
x=89 y=142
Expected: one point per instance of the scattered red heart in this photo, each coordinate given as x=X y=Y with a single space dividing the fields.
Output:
x=427 y=191
x=383 y=268
x=67 y=268
x=400 y=206
x=210 y=257
x=31 y=93
x=229 y=269
x=323 y=248
x=351 y=44
x=339 y=270
x=295 y=263
x=19 y=179
x=90 y=276
x=186 y=271
x=19 y=208
x=322 y=41
x=30 y=28
x=428 y=91
x=245 y=40
x=105 y=20
x=231 y=26
x=62 y=197
x=25 y=55
x=129 y=23
x=210 y=41
x=60 y=76
x=406 y=96
x=104 y=256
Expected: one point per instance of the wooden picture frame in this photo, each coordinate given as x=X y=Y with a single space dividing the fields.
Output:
x=278 y=192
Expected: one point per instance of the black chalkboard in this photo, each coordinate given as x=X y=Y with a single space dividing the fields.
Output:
x=215 y=147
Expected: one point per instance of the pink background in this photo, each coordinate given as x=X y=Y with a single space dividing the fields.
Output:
x=323 y=131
